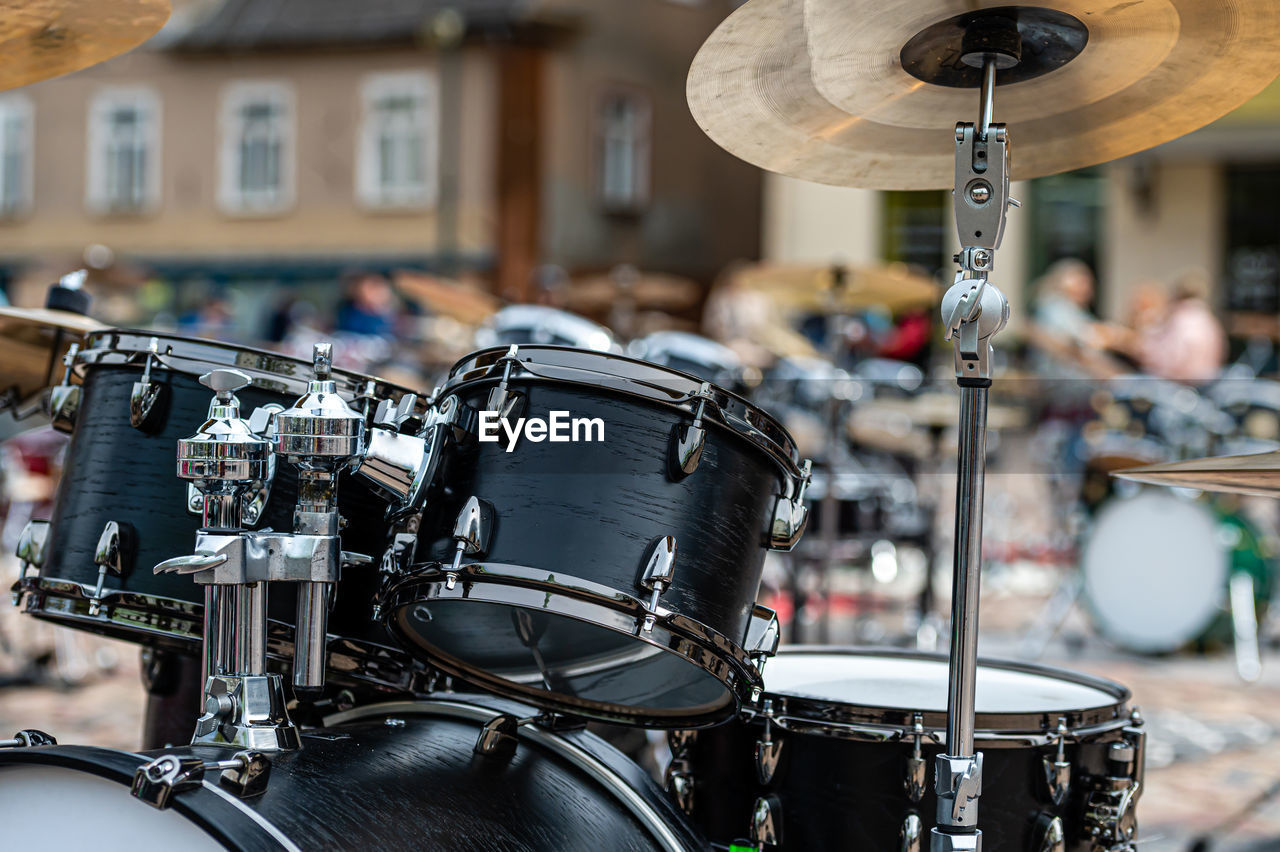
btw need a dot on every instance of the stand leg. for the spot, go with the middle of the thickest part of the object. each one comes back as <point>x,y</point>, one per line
<point>1244,623</point>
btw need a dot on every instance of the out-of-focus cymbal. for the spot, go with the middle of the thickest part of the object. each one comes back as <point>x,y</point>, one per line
<point>647,290</point>
<point>931,410</point>
<point>32,344</point>
<point>867,93</point>
<point>457,300</point>
<point>1257,474</point>
<point>813,288</point>
<point>40,39</point>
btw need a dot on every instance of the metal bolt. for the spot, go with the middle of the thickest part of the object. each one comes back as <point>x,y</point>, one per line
<point>980,192</point>
<point>981,258</point>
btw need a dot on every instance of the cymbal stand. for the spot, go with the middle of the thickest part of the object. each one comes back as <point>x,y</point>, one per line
<point>974,310</point>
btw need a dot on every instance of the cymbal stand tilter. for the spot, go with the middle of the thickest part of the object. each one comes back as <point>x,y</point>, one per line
<point>974,310</point>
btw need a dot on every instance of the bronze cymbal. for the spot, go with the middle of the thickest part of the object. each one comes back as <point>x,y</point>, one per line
<point>458,300</point>
<point>652,291</point>
<point>893,287</point>
<point>835,91</point>
<point>32,344</point>
<point>1257,474</point>
<point>40,39</point>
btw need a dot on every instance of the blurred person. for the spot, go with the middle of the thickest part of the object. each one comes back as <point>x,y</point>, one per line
<point>369,306</point>
<point>1070,340</point>
<point>213,319</point>
<point>1190,345</point>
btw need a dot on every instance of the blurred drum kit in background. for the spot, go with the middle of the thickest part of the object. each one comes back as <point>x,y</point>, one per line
<point>369,621</point>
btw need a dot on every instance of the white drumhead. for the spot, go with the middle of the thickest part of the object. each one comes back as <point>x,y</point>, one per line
<point>903,683</point>
<point>1154,571</point>
<point>52,809</point>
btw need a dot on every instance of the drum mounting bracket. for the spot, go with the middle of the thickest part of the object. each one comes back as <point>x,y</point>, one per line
<point>245,774</point>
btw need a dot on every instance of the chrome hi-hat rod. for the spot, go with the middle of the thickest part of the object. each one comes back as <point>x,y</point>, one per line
<point>973,311</point>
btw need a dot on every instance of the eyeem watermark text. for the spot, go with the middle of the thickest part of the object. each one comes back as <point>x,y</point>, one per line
<point>559,428</point>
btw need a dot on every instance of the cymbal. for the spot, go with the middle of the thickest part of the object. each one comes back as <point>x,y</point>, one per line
<point>812,288</point>
<point>457,300</point>
<point>936,410</point>
<point>836,91</point>
<point>40,39</point>
<point>1257,474</point>
<point>648,291</point>
<point>32,343</point>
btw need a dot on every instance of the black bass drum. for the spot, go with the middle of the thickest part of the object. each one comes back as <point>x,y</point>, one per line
<point>614,577</point>
<point>140,393</point>
<point>391,777</point>
<point>839,754</point>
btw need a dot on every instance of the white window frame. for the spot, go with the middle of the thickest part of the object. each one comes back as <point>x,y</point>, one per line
<point>369,189</point>
<point>101,105</point>
<point>19,104</point>
<point>235,97</point>
<point>643,165</point>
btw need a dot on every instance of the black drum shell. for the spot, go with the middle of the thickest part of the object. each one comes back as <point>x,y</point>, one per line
<point>409,779</point>
<point>837,792</point>
<point>594,509</point>
<point>115,472</point>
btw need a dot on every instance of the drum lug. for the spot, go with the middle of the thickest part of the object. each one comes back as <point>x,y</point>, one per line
<point>689,440</point>
<point>245,774</point>
<point>114,554</point>
<point>768,750</point>
<point>790,514</point>
<point>659,571</point>
<point>1049,835</point>
<point>915,780</point>
<point>30,552</point>
<point>498,738</point>
<point>64,399</point>
<point>145,394</point>
<point>28,738</point>
<point>912,834</point>
<point>679,782</point>
<point>471,531</point>
<point>766,821</point>
<point>763,635</point>
<point>1057,771</point>
<point>502,400</point>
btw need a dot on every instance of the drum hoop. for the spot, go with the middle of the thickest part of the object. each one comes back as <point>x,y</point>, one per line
<point>651,382</point>
<point>118,766</point>
<point>174,622</point>
<point>270,371</point>
<point>1016,728</point>
<point>554,741</point>
<point>686,638</point>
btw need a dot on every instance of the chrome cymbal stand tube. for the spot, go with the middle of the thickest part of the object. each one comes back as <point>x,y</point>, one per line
<point>973,310</point>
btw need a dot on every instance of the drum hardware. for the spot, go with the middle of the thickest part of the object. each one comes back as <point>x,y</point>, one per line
<point>912,834</point>
<point>501,400</point>
<point>1244,626</point>
<point>764,633</point>
<point>658,573</point>
<point>1057,771</point>
<point>64,399</point>
<point>915,780</point>
<point>28,738</point>
<point>499,737</point>
<point>768,750</point>
<point>1051,835</point>
<point>689,439</point>
<point>678,780</point>
<point>766,822</point>
<point>254,501</point>
<point>245,775</point>
<point>114,554</point>
<point>145,392</point>
<point>1110,809</point>
<point>790,513</point>
<point>31,553</point>
<point>471,532</point>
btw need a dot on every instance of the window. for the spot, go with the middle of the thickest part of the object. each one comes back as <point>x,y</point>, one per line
<point>622,121</point>
<point>257,148</point>
<point>124,151</point>
<point>399,141</point>
<point>16,168</point>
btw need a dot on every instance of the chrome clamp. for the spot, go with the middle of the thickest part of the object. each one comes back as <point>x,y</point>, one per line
<point>157,782</point>
<point>28,738</point>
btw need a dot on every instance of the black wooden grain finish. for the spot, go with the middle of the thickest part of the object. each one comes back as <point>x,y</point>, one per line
<point>414,784</point>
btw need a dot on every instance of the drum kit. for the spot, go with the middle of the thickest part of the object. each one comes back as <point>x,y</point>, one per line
<point>403,619</point>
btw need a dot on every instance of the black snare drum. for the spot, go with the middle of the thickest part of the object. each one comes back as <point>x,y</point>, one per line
<point>839,754</point>
<point>118,484</point>
<point>561,590</point>
<point>395,777</point>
